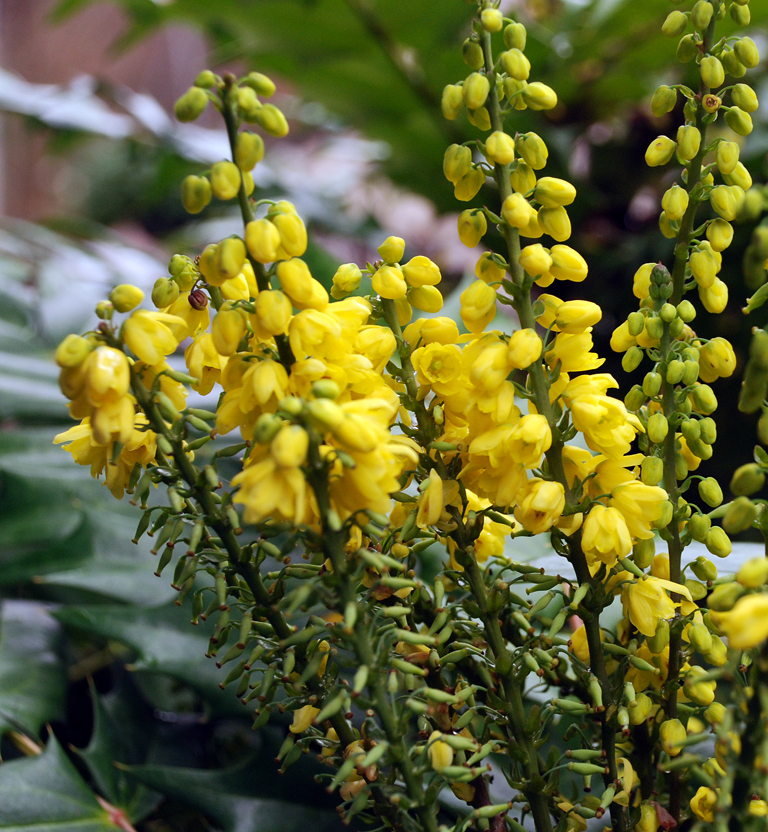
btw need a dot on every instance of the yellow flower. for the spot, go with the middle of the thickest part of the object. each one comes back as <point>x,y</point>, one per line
<point>641,505</point>
<point>148,335</point>
<point>567,264</point>
<point>746,625</point>
<point>377,344</point>
<point>440,366</point>
<point>192,319</point>
<point>302,719</point>
<point>289,446</point>
<point>573,352</point>
<point>528,440</point>
<point>716,360</point>
<point>605,423</point>
<point>318,334</point>
<point>578,643</point>
<point>541,506</point>
<point>267,490</point>
<point>703,804</point>
<point>425,331</point>
<point>440,753</point>
<point>576,316</point>
<point>646,602</point>
<point>107,377</point>
<point>204,362</point>
<point>273,313</point>
<point>430,501</point>
<point>605,537</point>
<point>491,368</point>
<point>295,280</point>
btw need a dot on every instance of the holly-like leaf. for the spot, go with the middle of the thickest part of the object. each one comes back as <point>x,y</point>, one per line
<point>119,735</point>
<point>240,799</point>
<point>32,676</point>
<point>46,794</point>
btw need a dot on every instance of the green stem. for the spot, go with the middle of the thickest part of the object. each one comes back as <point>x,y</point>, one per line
<point>539,388</point>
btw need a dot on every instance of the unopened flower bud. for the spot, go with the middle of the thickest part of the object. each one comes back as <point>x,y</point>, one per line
<point>261,84</point>
<point>715,713</point>
<point>392,249</point>
<point>472,54</point>
<point>126,297</point>
<point>663,101</point>
<point>747,480</point>
<point>739,121</point>
<point>263,240</point>
<point>72,351</point>
<point>747,53</point>
<point>533,150</point>
<point>754,573</point>
<point>225,180</point>
<point>492,20</point>
<point>718,543</point>
<point>346,280</point>
<point>272,121</point>
<point>674,24</point>
<point>515,64</point>
<point>659,151</point>
<point>452,101</point>
<point>472,226</point>
<point>227,330</point>
<point>740,515</point>
<point>743,96</point>
<point>476,89</point>
<point>672,732</point>
<point>710,492</point>
<point>539,96</point>
<point>191,105</point>
<point>324,413</point>
<point>500,148</point>
<point>688,141</point>
<point>249,150</point>
<point>711,71</point>
<point>205,79</point>
<point>104,310</point>
<point>230,255</point>
<point>686,49</point>
<point>195,193</point>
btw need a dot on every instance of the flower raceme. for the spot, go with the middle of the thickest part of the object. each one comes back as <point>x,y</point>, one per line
<point>365,433</point>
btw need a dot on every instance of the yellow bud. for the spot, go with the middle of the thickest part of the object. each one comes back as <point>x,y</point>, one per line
<point>663,101</point>
<point>688,141</point>
<point>575,316</point>
<point>744,98</point>
<point>426,298</point>
<point>295,279</point>
<point>478,306</point>
<point>476,89</point>
<point>302,719</point>
<point>500,148</point>
<point>271,120</point>
<point>517,211</point>
<point>472,53</point>
<point>388,282</point>
<point>249,150</point>
<point>674,24</point>
<point>492,20</point>
<point>555,222</point>
<point>754,573</point>
<point>261,84</point>
<point>515,36</point>
<point>195,193</point>
<point>524,348</point>
<point>273,312</point>
<point>515,64</point>
<point>535,260</point>
<point>640,709</point>
<point>740,177</point>
<point>230,258</point>
<point>263,240</point>
<point>712,72</point>
<point>513,91</point>
<point>551,192</point>
<point>719,234</point>
<point>672,734</point>
<point>421,271</point>
<point>533,150</point>
<point>488,270</point>
<point>674,202</point>
<point>72,351</point>
<point>191,104</point>
<point>567,264</point>
<point>126,297</point>
<point>457,162</point>
<point>452,101</point>
<point>539,96</point>
<point>225,180</point>
<point>726,201</point>
<point>293,234</point>
<point>346,280</point>
<point>392,249</point>
<point>701,14</point>
<point>468,186</point>
<point>472,227</point>
<point>227,331</point>
<point>659,151</point>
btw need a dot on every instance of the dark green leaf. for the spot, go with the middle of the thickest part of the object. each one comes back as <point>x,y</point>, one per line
<point>32,676</point>
<point>46,794</point>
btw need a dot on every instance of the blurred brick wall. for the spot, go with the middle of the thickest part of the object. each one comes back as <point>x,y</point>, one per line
<point>45,53</point>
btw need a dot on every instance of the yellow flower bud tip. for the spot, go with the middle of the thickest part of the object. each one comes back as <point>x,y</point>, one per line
<point>225,180</point>
<point>472,226</point>
<point>539,96</point>
<point>392,249</point>
<point>660,151</point>
<point>500,148</point>
<point>492,20</point>
<point>261,84</point>
<point>72,351</point>
<point>195,193</point>
<point>452,101</point>
<point>421,271</point>
<point>272,120</point>
<point>551,192</point>
<point>388,282</point>
<point>535,259</point>
<point>249,150</point>
<point>476,89</point>
<point>126,297</point>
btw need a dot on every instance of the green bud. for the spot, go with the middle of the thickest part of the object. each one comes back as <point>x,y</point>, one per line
<point>690,372</point>
<point>660,639</point>
<point>686,310</point>
<point>743,96</point>
<point>272,120</point>
<point>732,64</point>
<point>164,292</point>
<point>711,71</point>
<point>652,470</point>
<point>652,384</point>
<point>674,24</point>
<point>643,552</point>
<point>723,597</point>
<point>657,428</point>
<point>472,54</point>
<point>704,399</point>
<point>667,511</point>
<point>205,79</point>
<point>635,398</point>
<point>249,150</point>
<point>701,14</point>
<point>747,53</point>
<point>663,101</point>
<point>708,430</point>
<point>740,515</point>
<point>710,492</point>
<point>635,323</point>
<point>675,370</point>
<point>687,49</point>
<point>668,313</point>
<point>195,193</point>
<point>698,526</point>
<point>191,105</point>
<point>654,327</point>
<point>740,15</point>
<point>260,84</point>
<point>266,428</point>
<point>739,121</point>
<point>718,542</point>
<point>747,480</point>
<point>631,359</point>
<point>515,36</point>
